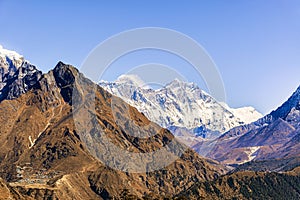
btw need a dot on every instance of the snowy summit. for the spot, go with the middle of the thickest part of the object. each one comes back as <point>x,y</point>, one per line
<point>180,104</point>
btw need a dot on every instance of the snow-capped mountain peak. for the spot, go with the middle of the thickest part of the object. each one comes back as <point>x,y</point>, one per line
<point>181,104</point>
<point>10,61</point>
<point>177,83</point>
<point>131,79</point>
<point>9,53</point>
<point>17,75</point>
<point>13,56</point>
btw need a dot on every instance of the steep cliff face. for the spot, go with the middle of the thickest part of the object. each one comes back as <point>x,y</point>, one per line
<point>47,151</point>
<point>10,61</point>
<point>17,75</point>
<point>20,82</point>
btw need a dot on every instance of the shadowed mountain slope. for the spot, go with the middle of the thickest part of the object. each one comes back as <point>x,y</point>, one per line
<point>273,138</point>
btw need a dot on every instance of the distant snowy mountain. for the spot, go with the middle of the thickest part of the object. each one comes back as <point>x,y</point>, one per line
<point>16,74</point>
<point>274,136</point>
<point>10,61</point>
<point>181,105</point>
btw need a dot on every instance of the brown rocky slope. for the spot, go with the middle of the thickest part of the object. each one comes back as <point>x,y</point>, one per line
<point>46,154</point>
<point>269,144</point>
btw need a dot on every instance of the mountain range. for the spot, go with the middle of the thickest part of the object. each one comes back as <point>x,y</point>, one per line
<point>47,154</point>
<point>274,136</point>
<point>181,107</point>
<point>56,127</point>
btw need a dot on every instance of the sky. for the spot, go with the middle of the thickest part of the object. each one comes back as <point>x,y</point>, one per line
<point>254,44</point>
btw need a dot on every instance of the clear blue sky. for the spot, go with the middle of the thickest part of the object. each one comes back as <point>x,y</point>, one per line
<point>255,44</point>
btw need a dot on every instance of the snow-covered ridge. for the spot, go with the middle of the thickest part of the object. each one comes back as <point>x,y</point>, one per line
<point>180,104</point>
<point>247,114</point>
<point>10,54</point>
<point>17,75</point>
<point>10,61</point>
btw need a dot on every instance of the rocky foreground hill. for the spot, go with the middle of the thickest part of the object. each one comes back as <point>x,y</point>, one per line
<point>53,128</point>
<point>43,156</point>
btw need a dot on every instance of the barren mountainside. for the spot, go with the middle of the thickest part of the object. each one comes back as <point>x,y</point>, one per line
<point>44,155</point>
<point>273,138</point>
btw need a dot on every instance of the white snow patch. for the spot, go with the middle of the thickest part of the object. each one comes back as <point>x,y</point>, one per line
<point>246,114</point>
<point>31,142</point>
<point>132,79</point>
<point>10,54</point>
<point>250,151</point>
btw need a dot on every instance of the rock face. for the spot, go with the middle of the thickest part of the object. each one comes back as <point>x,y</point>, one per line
<point>180,105</point>
<point>10,61</point>
<point>46,154</point>
<point>275,136</point>
<point>17,75</point>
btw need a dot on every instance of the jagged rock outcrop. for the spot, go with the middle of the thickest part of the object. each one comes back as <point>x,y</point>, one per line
<point>17,75</point>
<point>21,81</point>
